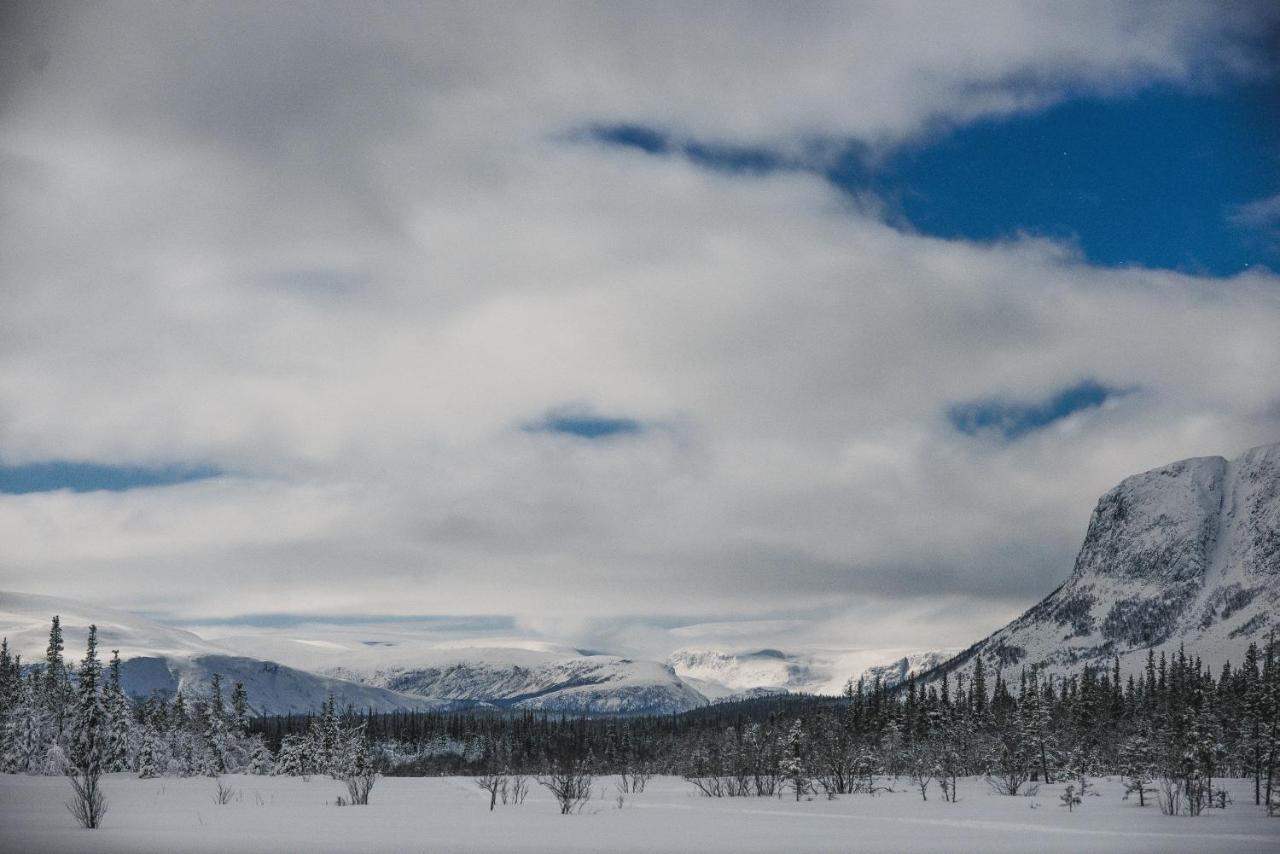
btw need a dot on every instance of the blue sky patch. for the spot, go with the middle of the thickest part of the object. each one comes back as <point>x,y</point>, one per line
<point>1151,179</point>
<point>646,139</point>
<point>722,158</point>
<point>92,477</point>
<point>1012,419</point>
<point>584,425</point>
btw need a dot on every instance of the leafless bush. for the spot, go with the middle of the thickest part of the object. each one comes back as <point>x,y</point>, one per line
<point>1169,795</point>
<point>868,786</point>
<point>223,794</point>
<point>87,803</point>
<point>1195,792</point>
<point>495,785</point>
<point>571,788</point>
<point>711,787</point>
<point>516,789</point>
<point>921,777</point>
<point>633,780</point>
<point>1010,782</point>
<point>727,785</point>
<point>359,786</point>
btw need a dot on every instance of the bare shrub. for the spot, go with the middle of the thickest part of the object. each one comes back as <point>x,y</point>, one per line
<point>223,794</point>
<point>633,780</point>
<point>359,785</point>
<point>711,787</point>
<point>516,790</point>
<point>88,804</point>
<point>923,768</point>
<point>921,777</point>
<point>1169,795</point>
<point>1010,781</point>
<point>495,785</point>
<point>571,788</point>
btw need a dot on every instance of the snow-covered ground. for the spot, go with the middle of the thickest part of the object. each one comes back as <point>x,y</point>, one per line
<point>450,814</point>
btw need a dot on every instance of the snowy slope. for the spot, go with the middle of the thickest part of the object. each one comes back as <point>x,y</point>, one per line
<point>507,672</point>
<point>161,658</point>
<point>724,675</point>
<point>738,672</point>
<point>911,664</point>
<point>557,680</point>
<point>1185,554</point>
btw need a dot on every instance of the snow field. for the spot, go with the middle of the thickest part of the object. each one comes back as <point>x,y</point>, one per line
<point>407,814</point>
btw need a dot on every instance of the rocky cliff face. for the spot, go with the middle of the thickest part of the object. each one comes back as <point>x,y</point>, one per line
<point>897,672</point>
<point>1187,553</point>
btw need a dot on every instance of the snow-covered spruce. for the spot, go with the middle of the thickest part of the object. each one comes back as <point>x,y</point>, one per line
<point>52,723</point>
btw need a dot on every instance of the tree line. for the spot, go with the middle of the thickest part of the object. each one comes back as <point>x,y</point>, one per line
<point>1171,731</point>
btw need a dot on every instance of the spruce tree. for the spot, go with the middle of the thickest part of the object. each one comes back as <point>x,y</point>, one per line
<point>1270,714</point>
<point>240,709</point>
<point>119,718</point>
<point>1034,717</point>
<point>9,679</point>
<point>152,753</point>
<point>794,767</point>
<point>88,739</point>
<point>1136,762</point>
<point>56,683</point>
<point>26,740</point>
<point>215,732</point>
<point>979,692</point>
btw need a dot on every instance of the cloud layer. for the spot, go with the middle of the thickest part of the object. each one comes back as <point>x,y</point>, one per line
<point>349,257</point>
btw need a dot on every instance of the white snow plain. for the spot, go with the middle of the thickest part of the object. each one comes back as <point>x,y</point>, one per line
<point>269,814</point>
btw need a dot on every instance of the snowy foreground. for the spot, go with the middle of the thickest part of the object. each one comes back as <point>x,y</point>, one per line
<point>450,814</point>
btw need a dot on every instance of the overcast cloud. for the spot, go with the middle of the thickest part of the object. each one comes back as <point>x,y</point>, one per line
<point>358,258</point>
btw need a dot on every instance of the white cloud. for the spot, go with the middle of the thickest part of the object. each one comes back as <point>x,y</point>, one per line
<point>1260,214</point>
<point>176,180</point>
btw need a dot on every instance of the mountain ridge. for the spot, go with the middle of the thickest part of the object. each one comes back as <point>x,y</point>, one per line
<point>1183,554</point>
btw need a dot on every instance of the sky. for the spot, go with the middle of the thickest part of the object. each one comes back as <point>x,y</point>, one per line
<point>629,326</point>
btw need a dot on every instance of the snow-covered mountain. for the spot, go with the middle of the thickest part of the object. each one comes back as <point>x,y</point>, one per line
<point>389,669</point>
<point>156,657</point>
<point>379,674</point>
<point>1185,554</point>
<point>567,681</point>
<point>723,675</point>
<point>912,664</point>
